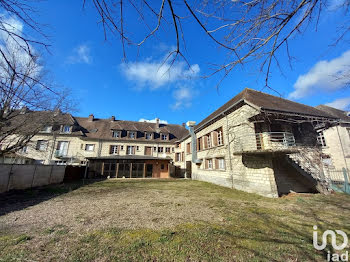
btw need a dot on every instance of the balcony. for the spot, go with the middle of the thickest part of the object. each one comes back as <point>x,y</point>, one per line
<point>266,142</point>
<point>61,154</point>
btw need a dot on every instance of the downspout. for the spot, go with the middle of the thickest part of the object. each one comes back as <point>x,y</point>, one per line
<point>229,150</point>
<point>191,125</point>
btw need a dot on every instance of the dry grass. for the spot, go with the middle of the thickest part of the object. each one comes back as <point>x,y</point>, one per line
<point>163,220</point>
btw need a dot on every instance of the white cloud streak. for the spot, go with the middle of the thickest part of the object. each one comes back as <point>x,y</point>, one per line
<point>81,55</point>
<point>183,97</point>
<point>341,103</point>
<point>153,120</point>
<point>325,75</point>
<point>157,74</point>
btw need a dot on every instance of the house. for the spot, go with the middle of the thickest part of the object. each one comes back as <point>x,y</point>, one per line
<point>113,148</point>
<point>257,143</point>
<point>335,139</point>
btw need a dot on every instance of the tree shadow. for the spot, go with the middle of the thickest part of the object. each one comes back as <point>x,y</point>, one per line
<point>16,200</point>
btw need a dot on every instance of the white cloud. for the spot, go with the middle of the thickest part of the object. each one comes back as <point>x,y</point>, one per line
<point>153,121</point>
<point>341,103</point>
<point>183,97</point>
<point>81,55</point>
<point>16,50</point>
<point>158,74</point>
<point>323,76</point>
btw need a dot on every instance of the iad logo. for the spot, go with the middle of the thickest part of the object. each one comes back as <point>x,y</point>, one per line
<point>331,233</point>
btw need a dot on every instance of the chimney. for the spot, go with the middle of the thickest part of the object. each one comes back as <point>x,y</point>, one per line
<point>112,118</point>
<point>23,110</point>
<point>183,124</point>
<point>91,118</point>
<point>157,122</point>
<point>57,112</point>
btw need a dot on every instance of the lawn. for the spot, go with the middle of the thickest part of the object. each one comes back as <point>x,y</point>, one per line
<point>163,220</point>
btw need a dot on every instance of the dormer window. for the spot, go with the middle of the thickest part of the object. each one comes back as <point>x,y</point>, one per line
<point>67,129</point>
<point>47,129</point>
<point>116,134</point>
<point>164,137</point>
<point>132,134</point>
<point>148,135</point>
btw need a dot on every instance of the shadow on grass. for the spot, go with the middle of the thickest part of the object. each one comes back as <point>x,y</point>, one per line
<point>15,200</point>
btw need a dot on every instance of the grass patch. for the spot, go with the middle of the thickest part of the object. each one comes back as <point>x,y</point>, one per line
<point>167,220</point>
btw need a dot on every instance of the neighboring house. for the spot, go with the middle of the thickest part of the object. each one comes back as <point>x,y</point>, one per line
<point>335,139</point>
<point>257,143</point>
<point>113,147</point>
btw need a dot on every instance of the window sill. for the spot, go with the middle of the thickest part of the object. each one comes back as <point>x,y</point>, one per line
<point>215,147</point>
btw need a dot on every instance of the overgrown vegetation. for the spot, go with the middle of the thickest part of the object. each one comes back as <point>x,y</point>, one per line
<point>164,220</point>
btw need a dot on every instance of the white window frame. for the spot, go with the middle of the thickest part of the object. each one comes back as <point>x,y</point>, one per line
<point>66,131</point>
<point>88,146</point>
<point>121,148</point>
<point>42,145</point>
<point>221,164</point>
<point>137,148</point>
<point>209,142</point>
<point>160,149</point>
<point>210,163</point>
<point>114,150</point>
<point>220,140</point>
<point>128,152</point>
<point>47,129</point>
<point>116,134</point>
<point>321,139</point>
<point>148,136</point>
<point>164,137</point>
<point>134,134</point>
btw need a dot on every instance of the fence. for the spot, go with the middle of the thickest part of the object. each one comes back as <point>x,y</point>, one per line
<point>28,176</point>
<point>340,180</point>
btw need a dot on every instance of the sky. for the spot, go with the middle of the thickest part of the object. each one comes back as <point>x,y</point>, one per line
<point>103,84</point>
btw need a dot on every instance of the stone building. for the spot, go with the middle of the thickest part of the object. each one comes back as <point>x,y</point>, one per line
<point>335,139</point>
<point>257,143</point>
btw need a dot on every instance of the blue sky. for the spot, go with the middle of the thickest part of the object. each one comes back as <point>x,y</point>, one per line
<point>82,60</point>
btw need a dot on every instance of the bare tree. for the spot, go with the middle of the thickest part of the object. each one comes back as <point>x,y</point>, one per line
<point>28,98</point>
<point>249,30</point>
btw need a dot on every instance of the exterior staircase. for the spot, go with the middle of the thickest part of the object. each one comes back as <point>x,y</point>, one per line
<point>308,162</point>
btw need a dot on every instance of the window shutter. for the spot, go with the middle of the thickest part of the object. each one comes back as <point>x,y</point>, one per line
<point>216,163</point>
<point>215,138</point>
<point>205,142</point>
<point>206,164</point>
<point>110,150</point>
<point>133,150</point>
<point>82,146</point>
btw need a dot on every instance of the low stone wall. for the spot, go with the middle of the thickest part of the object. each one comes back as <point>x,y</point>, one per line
<point>27,176</point>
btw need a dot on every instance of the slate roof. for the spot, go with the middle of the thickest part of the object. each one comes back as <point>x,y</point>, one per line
<point>266,102</point>
<point>334,112</point>
<point>103,129</point>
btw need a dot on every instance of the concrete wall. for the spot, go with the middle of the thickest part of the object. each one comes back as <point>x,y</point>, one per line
<point>27,176</point>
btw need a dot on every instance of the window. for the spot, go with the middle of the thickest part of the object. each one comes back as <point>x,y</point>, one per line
<point>89,147</point>
<point>220,136</point>
<point>167,150</point>
<point>23,150</point>
<point>47,129</point>
<point>121,148</point>
<point>177,157</point>
<point>130,150</point>
<point>162,166</point>
<point>132,134</point>
<point>164,136</point>
<point>221,163</point>
<point>199,144</point>
<point>116,134</point>
<point>83,163</point>
<point>137,148</point>
<point>61,163</point>
<point>114,150</point>
<point>155,149</point>
<point>62,148</point>
<point>66,129</point>
<point>209,144</point>
<point>148,135</point>
<point>210,163</point>
<point>173,149</point>
<point>188,148</point>
<point>321,140</point>
<point>41,145</point>
<point>160,149</point>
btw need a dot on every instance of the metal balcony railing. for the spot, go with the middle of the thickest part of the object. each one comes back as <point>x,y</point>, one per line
<point>266,141</point>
